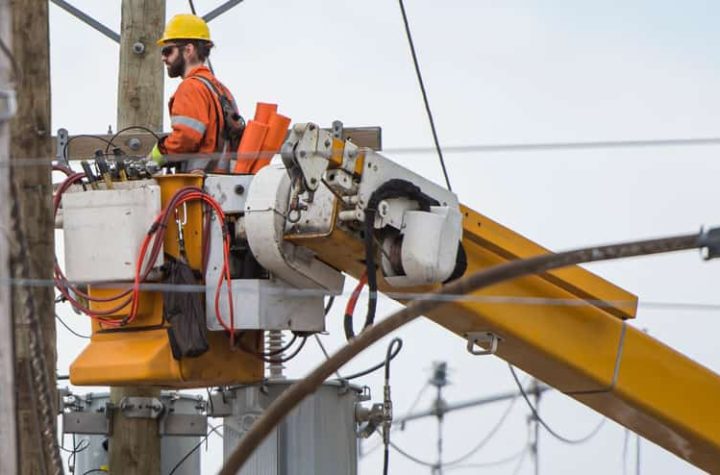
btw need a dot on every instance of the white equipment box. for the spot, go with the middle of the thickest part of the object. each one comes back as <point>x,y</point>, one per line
<point>104,230</point>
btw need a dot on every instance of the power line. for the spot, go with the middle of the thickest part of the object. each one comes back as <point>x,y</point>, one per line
<point>453,149</point>
<point>213,429</point>
<point>68,328</point>
<point>535,413</point>
<point>491,433</point>
<point>494,463</point>
<point>424,94</point>
<point>483,299</point>
<point>548,146</point>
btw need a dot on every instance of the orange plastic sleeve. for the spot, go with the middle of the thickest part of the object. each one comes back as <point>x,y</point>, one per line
<point>278,127</point>
<point>263,112</point>
<point>250,146</point>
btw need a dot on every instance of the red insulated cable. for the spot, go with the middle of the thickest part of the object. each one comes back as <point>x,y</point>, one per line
<point>155,235</point>
<point>352,301</point>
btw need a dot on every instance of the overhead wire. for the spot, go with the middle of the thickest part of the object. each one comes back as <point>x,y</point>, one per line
<point>475,449</point>
<point>325,352</point>
<point>68,328</point>
<point>213,429</point>
<point>626,439</point>
<point>192,9</point>
<point>391,356</point>
<point>536,415</point>
<point>521,459</point>
<point>424,94</point>
<point>563,146</point>
<point>473,282</point>
<point>492,463</point>
<point>451,149</point>
<point>483,442</point>
<point>429,296</point>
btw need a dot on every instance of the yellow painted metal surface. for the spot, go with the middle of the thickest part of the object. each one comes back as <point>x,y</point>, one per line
<point>569,329</point>
<point>144,358</point>
<point>139,354</point>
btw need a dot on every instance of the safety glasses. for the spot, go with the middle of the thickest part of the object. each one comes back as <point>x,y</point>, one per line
<point>168,49</point>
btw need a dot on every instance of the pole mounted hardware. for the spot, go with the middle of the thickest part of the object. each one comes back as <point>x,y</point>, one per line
<point>477,338</point>
<point>141,407</point>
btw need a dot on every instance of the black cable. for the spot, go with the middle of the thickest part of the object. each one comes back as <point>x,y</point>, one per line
<point>371,269</point>
<point>67,144</point>
<point>265,356</point>
<point>282,349</point>
<point>491,433</point>
<point>396,342</point>
<point>132,127</point>
<point>387,401</point>
<point>424,94</point>
<point>197,446</point>
<point>394,188</point>
<point>76,450</point>
<point>329,304</point>
<point>289,357</point>
<point>62,322</point>
<point>96,470</point>
<point>535,413</point>
<point>377,366</point>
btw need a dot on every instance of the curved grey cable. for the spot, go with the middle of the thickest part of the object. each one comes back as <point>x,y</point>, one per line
<point>297,392</point>
<point>559,437</point>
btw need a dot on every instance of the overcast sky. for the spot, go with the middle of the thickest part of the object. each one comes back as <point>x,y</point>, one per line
<point>496,72</point>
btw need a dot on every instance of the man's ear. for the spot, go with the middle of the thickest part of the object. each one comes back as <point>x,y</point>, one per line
<point>190,49</point>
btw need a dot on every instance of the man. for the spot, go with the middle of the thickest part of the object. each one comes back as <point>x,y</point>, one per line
<point>198,138</point>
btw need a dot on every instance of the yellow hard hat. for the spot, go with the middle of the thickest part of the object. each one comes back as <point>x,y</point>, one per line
<point>185,27</point>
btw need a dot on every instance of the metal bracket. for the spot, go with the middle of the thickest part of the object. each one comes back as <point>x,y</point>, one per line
<point>8,105</point>
<point>141,407</point>
<point>60,146</point>
<point>183,424</point>
<point>219,404</point>
<point>475,338</point>
<point>86,423</point>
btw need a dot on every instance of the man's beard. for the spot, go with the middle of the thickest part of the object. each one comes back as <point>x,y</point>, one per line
<point>177,67</point>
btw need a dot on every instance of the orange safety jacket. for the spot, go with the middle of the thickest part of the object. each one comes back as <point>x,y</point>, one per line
<point>197,121</point>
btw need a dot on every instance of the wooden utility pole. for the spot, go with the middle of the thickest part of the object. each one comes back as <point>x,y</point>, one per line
<point>30,172</point>
<point>8,422</point>
<point>135,443</point>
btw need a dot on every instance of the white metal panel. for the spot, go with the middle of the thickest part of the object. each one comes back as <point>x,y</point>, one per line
<point>265,217</point>
<point>262,304</point>
<point>104,230</point>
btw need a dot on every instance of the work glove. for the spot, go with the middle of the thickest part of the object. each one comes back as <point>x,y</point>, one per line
<point>156,156</point>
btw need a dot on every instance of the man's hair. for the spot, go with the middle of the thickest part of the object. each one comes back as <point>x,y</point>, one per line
<point>201,47</point>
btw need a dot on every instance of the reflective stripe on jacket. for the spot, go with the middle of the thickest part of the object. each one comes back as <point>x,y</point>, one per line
<point>196,119</point>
